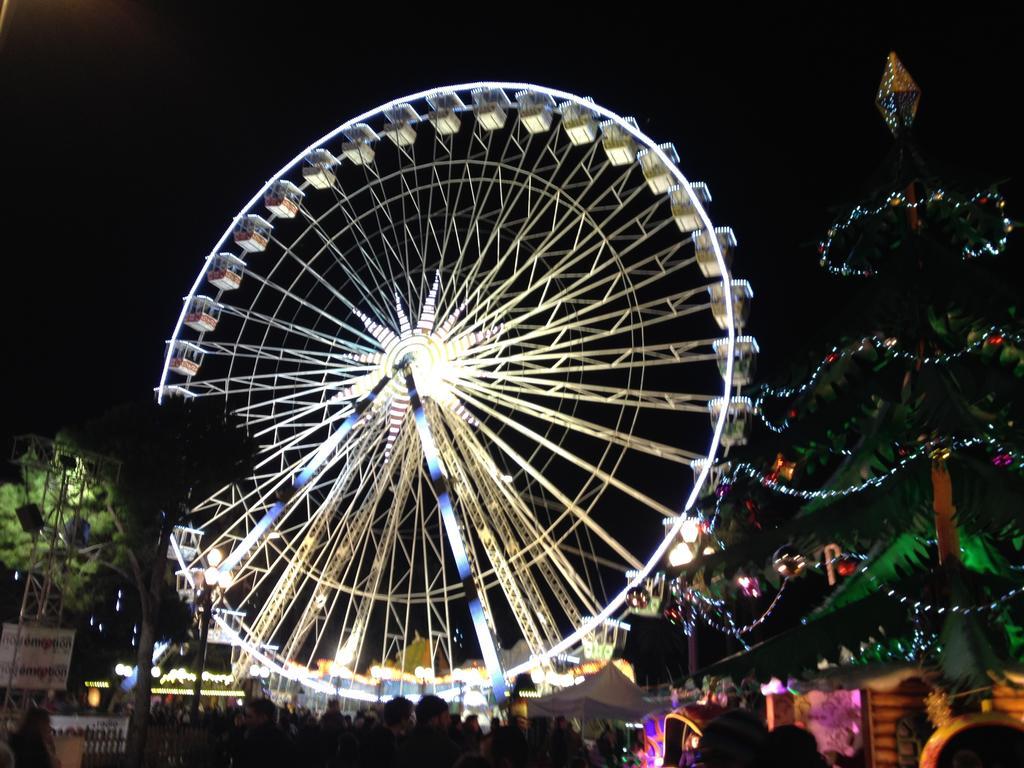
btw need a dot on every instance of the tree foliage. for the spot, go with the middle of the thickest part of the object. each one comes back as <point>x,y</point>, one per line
<point>926,376</point>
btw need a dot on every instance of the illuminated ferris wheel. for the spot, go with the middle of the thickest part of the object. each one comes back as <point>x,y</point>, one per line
<point>479,333</point>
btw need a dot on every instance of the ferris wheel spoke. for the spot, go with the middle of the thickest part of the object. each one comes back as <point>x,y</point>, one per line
<point>573,458</point>
<point>411,206</point>
<point>350,645</point>
<point>518,587</point>
<point>301,564</point>
<point>539,543</point>
<point>345,495</point>
<point>519,530</point>
<point>314,464</point>
<point>500,385</point>
<point>480,193</point>
<point>536,358</point>
<point>585,284</point>
<point>496,393</point>
<point>570,224</point>
<point>390,248</point>
<point>326,359</point>
<point>480,196</point>
<point>398,226</point>
<point>306,267</point>
<point>368,298</point>
<point>570,506</point>
<point>500,301</point>
<point>356,230</point>
<point>249,503</point>
<point>507,208</point>
<point>589,332</point>
<point>365,343</point>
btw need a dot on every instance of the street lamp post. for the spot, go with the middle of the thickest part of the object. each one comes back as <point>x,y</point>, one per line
<point>209,588</point>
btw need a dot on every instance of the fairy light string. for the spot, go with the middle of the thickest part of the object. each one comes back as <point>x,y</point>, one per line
<point>899,200</point>
<point>719,605</point>
<point>993,337</point>
<point>921,451</point>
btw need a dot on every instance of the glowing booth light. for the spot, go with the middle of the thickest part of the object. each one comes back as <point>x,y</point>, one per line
<point>680,555</point>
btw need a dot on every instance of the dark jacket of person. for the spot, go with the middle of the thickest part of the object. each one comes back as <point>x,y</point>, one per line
<point>426,747</point>
<point>265,746</point>
<point>29,751</point>
<point>378,749</point>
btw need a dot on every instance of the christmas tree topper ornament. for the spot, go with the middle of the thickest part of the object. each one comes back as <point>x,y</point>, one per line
<point>898,96</point>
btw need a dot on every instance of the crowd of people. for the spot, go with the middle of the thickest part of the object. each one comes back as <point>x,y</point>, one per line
<point>424,735</point>
<point>427,735</point>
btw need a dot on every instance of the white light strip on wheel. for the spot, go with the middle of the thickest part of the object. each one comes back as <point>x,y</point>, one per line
<point>302,478</point>
<point>651,146</point>
<point>291,674</point>
<point>439,481</point>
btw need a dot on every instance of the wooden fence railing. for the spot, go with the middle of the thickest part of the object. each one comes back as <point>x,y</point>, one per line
<point>167,746</point>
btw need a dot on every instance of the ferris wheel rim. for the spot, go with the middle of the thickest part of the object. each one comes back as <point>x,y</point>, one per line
<point>650,145</point>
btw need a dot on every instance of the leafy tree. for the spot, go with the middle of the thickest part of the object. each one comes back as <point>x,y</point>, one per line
<point>171,456</point>
<point>44,490</point>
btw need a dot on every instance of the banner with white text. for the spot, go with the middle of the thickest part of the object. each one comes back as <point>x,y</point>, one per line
<point>40,657</point>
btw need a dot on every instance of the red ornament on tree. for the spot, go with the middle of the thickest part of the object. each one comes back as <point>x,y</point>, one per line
<point>832,357</point>
<point>792,413</point>
<point>995,340</point>
<point>752,513</point>
<point>846,566</point>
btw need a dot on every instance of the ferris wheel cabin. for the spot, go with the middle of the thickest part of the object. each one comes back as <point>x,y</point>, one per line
<point>359,147</point>
<point>203,314</point>
<point>536,111</point>
<point>490,105</point>
<point>742,295</point>
<point>186,358</point>
<point>399,127</point>
<point>744,358</point>
<point>738,419</point>
<point>659,176</point>
<point>579,124</point>
<point>618,144</point>
<point>252,233</point>
<point>225,271</point>
<point>283,199</point>
<point>319,169</point>
<point>705,252</point>
<point>444,109</point>
<point>715,476</point>
<point>683,209</point>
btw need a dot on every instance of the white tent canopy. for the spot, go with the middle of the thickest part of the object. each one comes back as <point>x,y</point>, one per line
<point>607,695</point>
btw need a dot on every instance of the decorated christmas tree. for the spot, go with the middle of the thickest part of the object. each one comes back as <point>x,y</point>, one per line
<point>876,514</point>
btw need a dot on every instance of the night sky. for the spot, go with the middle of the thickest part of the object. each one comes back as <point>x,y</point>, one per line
<point>133,131</point>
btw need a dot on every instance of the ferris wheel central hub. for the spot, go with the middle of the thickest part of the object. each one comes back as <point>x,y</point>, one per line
<point>433,352</point>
